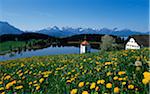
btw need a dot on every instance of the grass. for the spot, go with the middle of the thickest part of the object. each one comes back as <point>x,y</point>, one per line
<point>7,46</point>
<point>94,73</point>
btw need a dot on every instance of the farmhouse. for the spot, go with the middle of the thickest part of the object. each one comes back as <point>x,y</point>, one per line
<point>84,47</point>
<point>137,42</point>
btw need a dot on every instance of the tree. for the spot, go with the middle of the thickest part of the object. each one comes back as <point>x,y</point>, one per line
<point>108,43</point>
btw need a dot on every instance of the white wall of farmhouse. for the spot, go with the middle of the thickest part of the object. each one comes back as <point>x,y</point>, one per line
<point>132,44</point>
<point>84,49</point>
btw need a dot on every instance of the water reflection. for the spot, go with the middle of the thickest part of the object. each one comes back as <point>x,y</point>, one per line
<point>41,52</point>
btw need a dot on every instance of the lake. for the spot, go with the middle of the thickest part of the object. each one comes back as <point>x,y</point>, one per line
<point>43,52</point>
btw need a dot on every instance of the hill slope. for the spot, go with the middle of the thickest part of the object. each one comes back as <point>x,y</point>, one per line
<point>6,28</point>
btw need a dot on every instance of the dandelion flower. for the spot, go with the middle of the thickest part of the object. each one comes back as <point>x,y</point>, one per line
<point>37,87</point>
<point>73,91</point>
<point>85,92</point>
<point>18,87</point>
<point>93,85</point>
<point>115,78</point>
<point>120,79</point>
<point>101,81</point>
<point>7,77</point>
<point>130,86</point>
<point>121,72</point>
<point>97,88</point>
<point>108,85</point>
<point>1,82</point>
<point>3,93</point>
<point>41,80</point>
<point>30,83</point>
<point>123,83</point>
<point>145,81</point>
<point>116,90</point>
<point>81,84</point>
<point>1,88</point>
<point>87,83</point>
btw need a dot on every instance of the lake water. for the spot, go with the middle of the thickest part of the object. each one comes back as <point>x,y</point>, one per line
<point>44,51</point>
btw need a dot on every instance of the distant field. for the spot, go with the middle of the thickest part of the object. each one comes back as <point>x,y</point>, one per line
<point>9,46</point>
<point>93,73</point>
<point>6,46</point>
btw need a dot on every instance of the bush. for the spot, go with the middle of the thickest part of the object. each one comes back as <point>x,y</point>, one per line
<point>109,43</point>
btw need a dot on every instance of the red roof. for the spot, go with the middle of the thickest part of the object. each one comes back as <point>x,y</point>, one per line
<point>84,43</point>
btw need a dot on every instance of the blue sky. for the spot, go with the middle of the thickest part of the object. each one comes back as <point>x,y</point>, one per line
<point>38,14</point>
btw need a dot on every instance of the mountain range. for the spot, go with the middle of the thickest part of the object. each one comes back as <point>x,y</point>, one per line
<point>6,28</point>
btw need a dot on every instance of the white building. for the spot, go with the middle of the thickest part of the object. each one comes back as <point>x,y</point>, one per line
<point>85,47</point>
<point>137,42</point>
<point>132,44</point>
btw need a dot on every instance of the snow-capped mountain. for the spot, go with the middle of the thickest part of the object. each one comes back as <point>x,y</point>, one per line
<point>68,31</point>
<point>126,32</point>
<point>59,32</point>
<point>6,28</point>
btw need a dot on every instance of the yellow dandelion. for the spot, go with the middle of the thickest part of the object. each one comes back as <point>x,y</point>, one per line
<point>41,80</point>
<point>20,74</point>
<point>85,92</point>
<point>72,79</point>
<point>108,85</point>
<point>7,77</point>
<point>1,82</point>
<point>30,72</point>
<point>115,78</point>
<point>136,89</point>
<point>121,72</point>
<point>14,82</point>
<point>87,83</point>
<point>69,73</point>
<point>19,87</point>
<point>22,65</point>
<point>81,84</point>
<point>109,73</point>
<point>37,87</point>
<point>3,93</point>
<point>73,91</point>
<point>116,90</point>
<point>130,86</point>
<point>146,74</point>
<point>120,79</point>
<point>26,71</point>
<point>68,81</point>
<point>124,78</point>
<point>30,83</point>
<point>145,81</point>
<point>35,81</point>
<point>46,75</point>
<point>23,77</point>
<point>101,81</point>
<point>1,88</point>
<point>93,85</point>
<point>8,85</point>
<point>97,88</point>
<point>123,83</point>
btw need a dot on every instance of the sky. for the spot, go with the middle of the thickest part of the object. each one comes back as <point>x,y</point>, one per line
<point>39,14</point>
